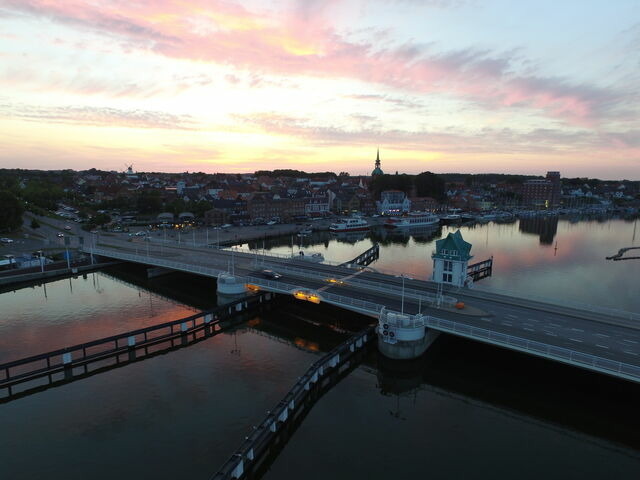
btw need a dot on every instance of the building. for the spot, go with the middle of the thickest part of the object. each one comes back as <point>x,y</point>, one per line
<point>543,192</point>
<point>393,202</point>
<point>317,206</point>
<point>265,206</point>
<point>537,193</point>
<point>377,170</point>
<point>451,259</point>
<point>424,204</point>
<point>556,187</point>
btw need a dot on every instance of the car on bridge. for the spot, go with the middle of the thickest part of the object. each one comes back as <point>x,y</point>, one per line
<point>271,274</point>
<point>6,240</point>
<point>60,234</point>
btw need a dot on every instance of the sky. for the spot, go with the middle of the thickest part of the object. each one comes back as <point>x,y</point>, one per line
<point>237,86</point>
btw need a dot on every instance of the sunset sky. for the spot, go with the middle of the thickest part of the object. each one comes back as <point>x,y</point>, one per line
<point>236,86</point>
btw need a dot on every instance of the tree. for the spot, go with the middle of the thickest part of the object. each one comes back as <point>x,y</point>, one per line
<point>11,212</point>
<point>430,185</point>
<point>34,223</point>
<point>149,202</point>
<point>101,219</point>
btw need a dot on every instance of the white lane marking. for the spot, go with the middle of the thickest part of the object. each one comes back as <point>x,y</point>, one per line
<point>629,341</point>
<point>555,325</point>
<point>577,330</point>
<point>601,346</point>
<point>511,316</point>
<point>602,335</point>
<point>551,333</point>
<point>575,340</point>
<point>530,329</point>
<point>533,320</point>
<point>508,324</point>
<point>631,353</point>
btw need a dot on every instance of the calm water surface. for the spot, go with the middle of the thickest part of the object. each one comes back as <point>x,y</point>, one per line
<point>547,257</point>
<point>463,411</point>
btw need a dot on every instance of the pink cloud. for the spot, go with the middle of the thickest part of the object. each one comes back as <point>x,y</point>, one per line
<point>302,42</point>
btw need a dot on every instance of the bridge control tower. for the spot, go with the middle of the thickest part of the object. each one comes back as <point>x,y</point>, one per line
<point>451,261</point>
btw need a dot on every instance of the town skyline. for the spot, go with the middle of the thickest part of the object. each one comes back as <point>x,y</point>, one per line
<point>235,87</point>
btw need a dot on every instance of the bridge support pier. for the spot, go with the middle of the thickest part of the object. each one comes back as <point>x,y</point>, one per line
<point>403,336</point>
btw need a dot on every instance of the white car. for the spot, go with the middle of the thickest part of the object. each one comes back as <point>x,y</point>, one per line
<point>6,240</point>
<point>226,225</point>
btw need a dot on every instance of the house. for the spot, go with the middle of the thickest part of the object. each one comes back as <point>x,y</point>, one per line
<point>393,202</point>
<point>451,259</point>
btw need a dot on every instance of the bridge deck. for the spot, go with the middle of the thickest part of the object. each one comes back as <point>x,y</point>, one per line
<point>600,333</point>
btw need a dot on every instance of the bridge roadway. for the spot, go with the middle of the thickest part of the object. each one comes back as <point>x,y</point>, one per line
<point>610,335</point>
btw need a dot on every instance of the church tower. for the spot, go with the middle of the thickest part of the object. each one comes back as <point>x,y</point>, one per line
<point>377,170</point>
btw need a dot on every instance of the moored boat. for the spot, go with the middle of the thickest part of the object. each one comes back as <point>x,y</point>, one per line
<point>349,225</point>
<point>413,219</point>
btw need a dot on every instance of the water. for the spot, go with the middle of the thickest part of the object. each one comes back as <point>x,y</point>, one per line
<point>547,257</point>
<point>463,411</point>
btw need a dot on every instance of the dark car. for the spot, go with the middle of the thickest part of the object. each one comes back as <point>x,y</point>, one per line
<point>271,274</point>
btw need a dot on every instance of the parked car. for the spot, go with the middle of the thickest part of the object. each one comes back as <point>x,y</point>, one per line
<point>6,240</point>
<point>60,234</point>
<point>271,274</point>
<point>67,227</point>
<point>226,225</point>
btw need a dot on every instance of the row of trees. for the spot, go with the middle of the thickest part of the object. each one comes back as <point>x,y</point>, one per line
<point>10,212</point>
<point>425,184</point>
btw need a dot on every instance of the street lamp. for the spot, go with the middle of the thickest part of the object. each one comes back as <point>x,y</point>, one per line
<point>402,303</point>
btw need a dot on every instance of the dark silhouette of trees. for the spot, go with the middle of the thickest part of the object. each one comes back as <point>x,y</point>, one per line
<point>11,212</point>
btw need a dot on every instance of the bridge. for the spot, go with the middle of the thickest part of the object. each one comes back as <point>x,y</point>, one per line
<point>597,339</point>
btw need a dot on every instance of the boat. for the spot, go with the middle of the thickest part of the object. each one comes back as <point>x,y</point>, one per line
<point>309,257</point>
<point>305,231</point>
<point>349,225</point>
<point>413,219</point>
<point>467,217</point>
<point>450,218</point>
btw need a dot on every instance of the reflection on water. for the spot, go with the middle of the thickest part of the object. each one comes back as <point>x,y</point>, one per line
<point>545,227</point>
<point>547,257</point>
<point>464,410</point>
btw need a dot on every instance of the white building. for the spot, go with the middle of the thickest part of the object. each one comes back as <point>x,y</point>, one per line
<point>451,259</point>
<point>393,202</point>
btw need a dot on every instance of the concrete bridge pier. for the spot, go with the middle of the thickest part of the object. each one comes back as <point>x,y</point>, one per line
<point>230,288</point>
<point>403,336</point>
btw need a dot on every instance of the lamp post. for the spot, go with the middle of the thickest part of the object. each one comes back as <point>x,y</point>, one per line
<point>402,303</point>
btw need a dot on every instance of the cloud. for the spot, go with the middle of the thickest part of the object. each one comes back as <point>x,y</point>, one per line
<point>97,116</point>
<point>540,141</point>
<point>303,42</point>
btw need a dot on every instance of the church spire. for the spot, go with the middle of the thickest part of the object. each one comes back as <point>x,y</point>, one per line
<point>377,170</point>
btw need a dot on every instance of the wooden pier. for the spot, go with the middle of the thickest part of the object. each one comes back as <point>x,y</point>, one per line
<point>265,441</point>
<point>480,270</point>
<point>365,258</point>
<point>38,372</point>
<point>621,252</point>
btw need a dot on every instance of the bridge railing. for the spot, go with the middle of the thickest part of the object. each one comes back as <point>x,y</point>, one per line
<point>363,306</point>
<point>565,355</point>
<point>157,262</point>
